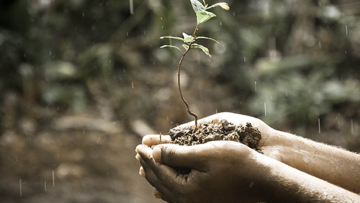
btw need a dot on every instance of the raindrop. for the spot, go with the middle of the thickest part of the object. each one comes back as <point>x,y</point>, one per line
<point>251,184</point>
<point>319,125</point>
<point>352,127</point>
<point>320,44</point>
<point>234,13</point>
<point>160,18</point>
<point>109,61</point>
<point>346,29</point>
<point>144,33</point>
<point>216,111</point>
<point>265,108</point>
<point>220,23</point>
<point>131,7</point>
<point>132,85</point>
<point>20,187</point>
<point>255,87</point>
<point>45,185</point>
<point>53,178</point>
<point>127,34</point>
<point>244,59</point>
<point>83,14</point>
<point>50,53</point>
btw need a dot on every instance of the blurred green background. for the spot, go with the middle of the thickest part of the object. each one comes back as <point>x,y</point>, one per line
<point>82,81</point>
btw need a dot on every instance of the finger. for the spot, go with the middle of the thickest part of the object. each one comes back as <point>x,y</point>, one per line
<point>158,195</point>
<point>164,181</point>
<point>192,157</point>
<point>151,140</point>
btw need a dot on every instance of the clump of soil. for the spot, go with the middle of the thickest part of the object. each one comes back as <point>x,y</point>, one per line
<point>216,130</point>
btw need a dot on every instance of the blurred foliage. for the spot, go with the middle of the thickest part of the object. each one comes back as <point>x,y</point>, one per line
<point>296,58</point>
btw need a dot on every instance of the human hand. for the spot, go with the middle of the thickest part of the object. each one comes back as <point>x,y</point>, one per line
<point>219,171</point>
<point>266,144</point>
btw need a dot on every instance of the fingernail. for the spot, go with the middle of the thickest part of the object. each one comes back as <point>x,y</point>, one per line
<point>156,154</point>
<point>157,196</point>
<point>142,172</point>
<point>139,146</point>
<point>137,157</point>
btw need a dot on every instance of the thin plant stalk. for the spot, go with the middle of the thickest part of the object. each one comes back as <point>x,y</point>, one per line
<point>179,70</point>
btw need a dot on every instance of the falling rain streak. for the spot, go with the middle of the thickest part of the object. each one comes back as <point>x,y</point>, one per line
<point>131,6</point>
<point>45,185</point>
<point>53,178</point>
<point>255,86</point>
<point>319,125</point>
<point>346,29</point>
<point>352,127</point>
<point>20,187</point>
<point>265,108</point>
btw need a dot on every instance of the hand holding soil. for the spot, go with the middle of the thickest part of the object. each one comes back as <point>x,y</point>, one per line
<point>219,171</point>
<point>231,119</point>
<point>227,171</point>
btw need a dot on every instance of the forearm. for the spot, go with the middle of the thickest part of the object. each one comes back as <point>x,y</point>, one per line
<point>282,183</point>
<point>329,163</point>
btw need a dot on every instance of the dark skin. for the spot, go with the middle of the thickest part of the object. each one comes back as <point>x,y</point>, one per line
<point>190,187</point>
<point>224,171</point>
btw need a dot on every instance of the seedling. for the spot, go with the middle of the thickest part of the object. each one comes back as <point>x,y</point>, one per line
<point>189,41</point>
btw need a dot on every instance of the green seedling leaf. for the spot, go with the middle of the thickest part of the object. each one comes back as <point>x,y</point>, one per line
<point>171,46</point>
<point>201,37</point>
<point>197,6</point>
<point>171,37</point>
<point>188,38</point>
<point>204,49</point>
<point>223,5</point>
<point>203,16</point>
<point>186,47</point>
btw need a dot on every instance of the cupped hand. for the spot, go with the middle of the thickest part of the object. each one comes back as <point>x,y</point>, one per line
<point>218,171</point>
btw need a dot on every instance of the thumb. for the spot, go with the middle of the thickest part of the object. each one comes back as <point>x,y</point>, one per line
<point>192,157</point>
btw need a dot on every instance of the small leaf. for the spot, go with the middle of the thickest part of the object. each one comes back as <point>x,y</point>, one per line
<point>223,5</point>
<point>171,46</point>
<point>171,37</point>
<point>203,16</point>
<point>197,6</point>
<point>201,37</point>
<point>204,49</point>
<point>188,38</point>
<point>186,47</point>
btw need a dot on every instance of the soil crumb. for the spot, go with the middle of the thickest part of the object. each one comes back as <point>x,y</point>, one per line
<point>217,130</point>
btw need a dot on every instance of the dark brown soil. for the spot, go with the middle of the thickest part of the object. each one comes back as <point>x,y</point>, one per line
<point>217,130</point>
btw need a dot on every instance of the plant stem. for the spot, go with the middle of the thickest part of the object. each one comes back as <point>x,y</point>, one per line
<point>179,70</point>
